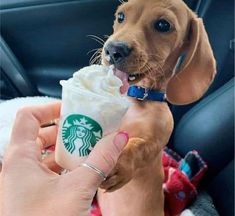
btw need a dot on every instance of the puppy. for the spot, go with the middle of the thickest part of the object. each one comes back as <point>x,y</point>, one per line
<point>148,40</point>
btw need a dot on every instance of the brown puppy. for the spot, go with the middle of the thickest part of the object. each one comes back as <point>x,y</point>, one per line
<point>148,39</point>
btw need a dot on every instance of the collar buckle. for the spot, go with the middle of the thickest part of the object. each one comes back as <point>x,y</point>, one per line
<point>145,95</point>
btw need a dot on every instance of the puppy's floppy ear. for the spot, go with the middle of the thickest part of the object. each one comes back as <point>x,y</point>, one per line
<point>197,71</point>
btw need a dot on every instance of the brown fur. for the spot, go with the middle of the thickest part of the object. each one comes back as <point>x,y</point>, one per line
<point>135,185</point>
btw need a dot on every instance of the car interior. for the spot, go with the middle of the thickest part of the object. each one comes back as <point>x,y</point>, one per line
<point>45,41</point>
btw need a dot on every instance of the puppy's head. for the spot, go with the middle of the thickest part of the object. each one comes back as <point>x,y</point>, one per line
<point>148,39</point>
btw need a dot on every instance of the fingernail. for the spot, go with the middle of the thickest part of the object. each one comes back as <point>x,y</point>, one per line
<point>121,139</point>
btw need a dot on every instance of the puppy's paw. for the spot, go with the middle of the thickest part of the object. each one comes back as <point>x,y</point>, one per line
<point>129,161</point>
<point>117,178</point>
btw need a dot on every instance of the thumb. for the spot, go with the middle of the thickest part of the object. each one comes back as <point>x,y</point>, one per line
<point>104,157</point>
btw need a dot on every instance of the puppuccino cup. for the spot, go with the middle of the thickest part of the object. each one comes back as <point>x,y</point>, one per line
<point>92,106</point>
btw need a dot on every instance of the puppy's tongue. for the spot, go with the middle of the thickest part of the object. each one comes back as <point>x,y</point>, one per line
<point>124,78</point>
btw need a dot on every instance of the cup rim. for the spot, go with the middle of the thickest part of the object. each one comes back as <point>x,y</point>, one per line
<point>92,94</point>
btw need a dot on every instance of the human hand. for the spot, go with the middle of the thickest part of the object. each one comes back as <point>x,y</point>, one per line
<point>29,187</point>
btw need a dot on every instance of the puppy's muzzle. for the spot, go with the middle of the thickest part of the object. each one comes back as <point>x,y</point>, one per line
<point>116,52</point>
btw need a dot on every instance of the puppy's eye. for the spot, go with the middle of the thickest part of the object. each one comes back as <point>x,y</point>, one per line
<point>120,17</point>
<point>162,25</point>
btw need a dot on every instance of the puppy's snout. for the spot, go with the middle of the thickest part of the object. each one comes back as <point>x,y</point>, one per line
<point>116,52</point>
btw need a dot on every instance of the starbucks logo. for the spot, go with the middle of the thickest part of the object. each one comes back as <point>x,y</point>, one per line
<point>80,134</point>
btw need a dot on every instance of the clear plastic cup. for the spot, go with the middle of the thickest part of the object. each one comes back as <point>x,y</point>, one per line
<point>85,118</point>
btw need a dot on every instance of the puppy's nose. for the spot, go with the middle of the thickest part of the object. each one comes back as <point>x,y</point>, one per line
<point>116,51</point>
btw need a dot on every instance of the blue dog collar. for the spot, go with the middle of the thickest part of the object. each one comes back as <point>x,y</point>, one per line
<point>141,94</point>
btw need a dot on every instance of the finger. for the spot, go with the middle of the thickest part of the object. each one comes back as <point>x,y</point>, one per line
<point>49,161</point>
<point>29,119</point>
<point>51,123</point>
<point>104,157</point>
<point>47,136</point>
<point>46,113</point>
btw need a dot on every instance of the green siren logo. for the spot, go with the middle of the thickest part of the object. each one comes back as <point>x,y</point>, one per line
<point>80,134</point>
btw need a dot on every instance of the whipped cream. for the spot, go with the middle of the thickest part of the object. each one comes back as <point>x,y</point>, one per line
<point>96,79</point>
<point>95,91</point>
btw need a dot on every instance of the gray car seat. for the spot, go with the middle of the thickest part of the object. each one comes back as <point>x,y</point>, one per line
<point>209,128</point>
